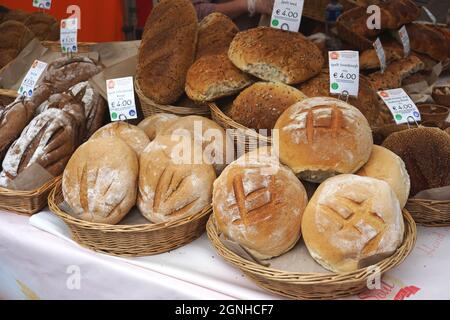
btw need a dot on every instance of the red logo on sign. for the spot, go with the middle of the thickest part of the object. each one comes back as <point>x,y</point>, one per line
<point>384,94</point>
<point>111,84</point>
<point>334,55</point>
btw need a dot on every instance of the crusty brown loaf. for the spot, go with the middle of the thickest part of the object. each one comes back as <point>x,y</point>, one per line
<point>16,15</point>
<point>100,181</point>
<point>167,50</point>
<point>14,37</point>
<point>155,124</point>
<point>169,190</point>
<point>369,59</point>
<point>214,76</point>
<point>49,140</point>
<point>396,13</point>
<point>427,40</point>
<point>367,101</point>
<point>215,33</point>
<point>352,222</point>
<point>321,137</point>
<point>132,135</point>
<point>13,119</point>
<point>258,52</point>
<point>260,105</point>
<point>259,204</point>
<point>44,26</point>
<point>426,153</point>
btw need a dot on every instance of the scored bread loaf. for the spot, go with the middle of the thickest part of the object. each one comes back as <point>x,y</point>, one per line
<point>352,222</point>
<point>215,33</point>
<point>259,204</point>
<point>260,105</point>
<point>100,181</point>
<point>258,52</point>
<point>321,137</point>
<point>387,166</point>
<point>134,136</point>
<point>167,50</point>
<point>214,76</point>
<point>170,189</point>
<point>49,140</point>
<point>155,124</point>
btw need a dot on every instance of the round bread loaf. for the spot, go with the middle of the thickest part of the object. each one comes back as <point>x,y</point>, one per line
<point>321,137</point>
<point>153,125</point>
<point>387,166</point>
<point>259,106</point>
<point>100,180</point>
<point>44,26</point>
<point>259,204</point>
<point>214,76</point>
<point>169,189</point>
<point>426,153</point>
<point>14,37</point>
<point>352,222</point>
<point>258,52</point>
<point>132,135</point>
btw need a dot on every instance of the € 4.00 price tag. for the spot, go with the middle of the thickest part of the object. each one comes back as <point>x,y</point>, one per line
<point>404,38</point>
<point>121,101</point>
<point>344,72</point>
<point>31,78</point>
<point>69,30</point>
<point>381,54</point>
<point>44,4</point>
<point>287,14</point>
<point>401,106</point>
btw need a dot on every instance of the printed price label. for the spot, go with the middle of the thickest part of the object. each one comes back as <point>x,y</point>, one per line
<point>44,4</point>
<point>401,106</point>
<point>121,101</point>
<point>344,72</point>
<point>31,78</point>
<point>404,37</point>
<point>430,15</point>
<point>287,14</point>
<point>69,30</point>
<point>381,54</point>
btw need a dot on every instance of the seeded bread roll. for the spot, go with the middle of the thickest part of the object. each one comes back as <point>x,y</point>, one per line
<point>258,52</point>
<point>214,76</point>
<point>167,50</point>
<point>426,153</point>
<point>155,124</point>
<point>100,181</point>
<point>215,33</point>
<point>321,137</point>
<point>352,222</point>
<point>259,204</point>
<point>260,105</point>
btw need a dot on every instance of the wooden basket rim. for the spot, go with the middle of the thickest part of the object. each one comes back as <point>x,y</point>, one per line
<point>30,193</point>
<point>9,93</point>
<point>398,257</point>
<point>118,228</point>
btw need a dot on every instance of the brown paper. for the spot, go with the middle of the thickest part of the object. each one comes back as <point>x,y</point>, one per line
<point>31,178</point>
<point>112,53</point>
<point>438,194</point>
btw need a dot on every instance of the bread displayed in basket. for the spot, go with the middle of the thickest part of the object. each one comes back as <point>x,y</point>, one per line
<point>276,55</point>
<point>387,166</point>
<point>170,188</point>
<point>155,124</point>
<point>14,37</point>
<point>321,137</point>
<point>214,76</point>
<point>259,106</point>
<point>167,50</point>
<point>426,153</point>
<point>215,33</point>
<point>259,204</point>
<point>100,181</point>
<point>134,136</point>
<point>429,40</point>
<point>352,222</point>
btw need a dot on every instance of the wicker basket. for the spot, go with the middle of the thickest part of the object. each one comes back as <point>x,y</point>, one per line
<point>239,133</point>
<point>315,9</point>
<point>130,240</point>
<point>347,34</point>
<point>150,107</point>
<point>313,285</point>
<point>430,213</point>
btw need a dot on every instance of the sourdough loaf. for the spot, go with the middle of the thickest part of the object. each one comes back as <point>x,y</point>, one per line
<point>155,124</point>
<point>14,37</point>
<point>428,40</point>
<point>44,26</point>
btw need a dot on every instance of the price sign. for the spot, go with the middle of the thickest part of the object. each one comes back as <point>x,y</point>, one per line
<point>404,37</point>
<point>430,15</point>
<point>381,54</point>
<point>44,4</point>
<point>31,78</point>
<point>344,72</point>
<point>69,28</point>
<point>287,14</point>
<point>121,101</point>
<point>401,106</point>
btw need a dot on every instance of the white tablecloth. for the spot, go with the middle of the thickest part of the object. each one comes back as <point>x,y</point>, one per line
<point>38,260</point>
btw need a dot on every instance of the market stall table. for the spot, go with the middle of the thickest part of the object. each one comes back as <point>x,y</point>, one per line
<point>48,265</point>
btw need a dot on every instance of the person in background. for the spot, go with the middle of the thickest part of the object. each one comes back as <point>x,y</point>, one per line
<point>245,13</point>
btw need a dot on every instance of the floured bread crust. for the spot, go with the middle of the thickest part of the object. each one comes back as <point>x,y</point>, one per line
<point>155,124</point>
